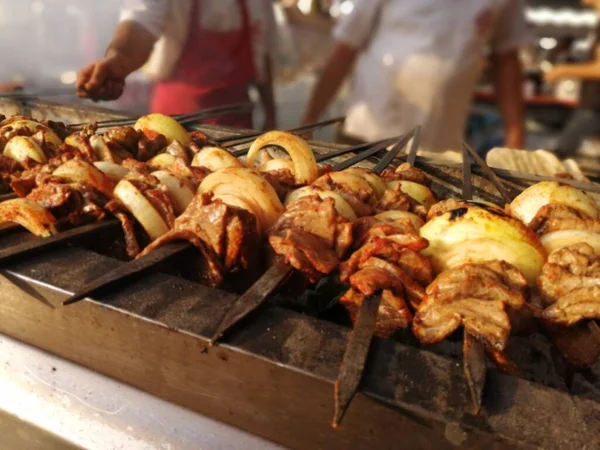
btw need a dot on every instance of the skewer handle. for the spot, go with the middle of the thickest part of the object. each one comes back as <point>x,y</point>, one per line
<point>252,299</point>
<point>355,356</point>
<point>129,269</point>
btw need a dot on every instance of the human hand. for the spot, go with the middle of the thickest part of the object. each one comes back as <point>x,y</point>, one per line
<point>102,80</point>
<point>556,74</point>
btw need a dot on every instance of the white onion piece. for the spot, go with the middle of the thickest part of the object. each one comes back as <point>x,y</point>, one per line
<point>341,205</point>
<point>27,213</point>
<point>178,189</point>
<point>526,205</point>
<point>251,187</point>
<point>418,192</point>
<point>113,171</point>
<point>33,127</point>
<point>79,171</point>
<point>354,183</point>
<point>305,165</point>
<point>215,158</point>
<point>273,165</point>
<point>556,240</point>
<point>162,161</point>
<point>22,148</point>
<point>370,177</point>
<point>399,215</point>
<point>153,124</point>
<point>238,202</point>
<point>143,211</point>
<point>100,148</point>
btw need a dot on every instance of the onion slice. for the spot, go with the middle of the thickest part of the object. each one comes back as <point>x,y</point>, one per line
<point>556,240</point>
<point>370,177</point>
<point>526,205</point>
<point>249,186</point>
<point>141,209</point>
<point>418,192</point>
<point>341,205</point>
<point>113,171</point>
<point>153,124</point>
<point>178,189</point>
<point>22,148</point>
<point>215,158</point>
<point>273,165</point>
<point>27,213</point>
<point>31,127</point>
<point>79,171</point>
<point>162,161</point>
<point>305,165</point>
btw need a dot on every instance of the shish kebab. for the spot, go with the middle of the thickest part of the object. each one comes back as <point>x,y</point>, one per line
<point>223,186</point>
<point>292,236</point>
<point>167,160</point>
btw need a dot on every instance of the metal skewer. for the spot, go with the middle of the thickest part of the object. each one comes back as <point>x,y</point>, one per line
<point>359,340</point>
<point>258,293</point>
<point>473,350</point>
<point>414,147</point>
<point>37,245</point>
<point>137,266</point>
<point>299,130</point>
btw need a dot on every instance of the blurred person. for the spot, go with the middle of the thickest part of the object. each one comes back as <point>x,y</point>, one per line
<point>418,63</point>
<point>585,121</point>
<point>203,53</point>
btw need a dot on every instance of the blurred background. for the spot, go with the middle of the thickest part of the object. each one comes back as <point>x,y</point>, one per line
<point>44,42</point>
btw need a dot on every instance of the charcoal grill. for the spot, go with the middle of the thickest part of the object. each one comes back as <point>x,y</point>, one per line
<point>273,376</point>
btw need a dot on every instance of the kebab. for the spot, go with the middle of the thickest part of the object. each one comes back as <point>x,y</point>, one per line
<point>222,186</point>
<point>567,221</point>
<point>484,260</point>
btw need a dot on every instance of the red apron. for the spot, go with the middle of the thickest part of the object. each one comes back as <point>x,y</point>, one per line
<point>215,69</point>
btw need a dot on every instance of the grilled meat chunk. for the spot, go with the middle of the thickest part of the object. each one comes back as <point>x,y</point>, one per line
<point>408,173</point>
<point>570,285</point>
<point>226,236</point>
<point>474,295</point>
<point>361,202</point>
<point>311,236</point>
<point>444,206</point>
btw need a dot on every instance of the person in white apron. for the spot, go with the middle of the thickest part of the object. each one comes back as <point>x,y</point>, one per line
<point>418,63</point>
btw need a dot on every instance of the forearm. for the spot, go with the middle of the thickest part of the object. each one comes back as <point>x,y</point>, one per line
<point>590,71</point>
<point>337,67</point>
<point>508,82</point>
<point>133,44</point>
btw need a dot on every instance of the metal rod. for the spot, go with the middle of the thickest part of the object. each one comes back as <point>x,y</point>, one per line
<point>392,153</point>
<point>129,269</point>
<point>353,149</point>
<point>355,356</point>
<point>259,291</point>
<point>34,246</point>
<point>9,196</point>
<point>372,151</point>
<point>412,155</point>
<point>488,172</point>
<point>473,350</point>
<point>252,298</point>
<point>250,137</point>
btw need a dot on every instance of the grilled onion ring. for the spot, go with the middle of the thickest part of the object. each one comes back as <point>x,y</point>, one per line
<point>215,158</point>
<point>397,215</point>
<point>418,192</point>
<point>79,171</point>
<point>178,189</point>
<point>370,177</point>
<point>113,171</point>
<point>22,148</point>
<point>153,124</point>
<point>139,206</point>
<point>305,165</point>
<point>27,213</point>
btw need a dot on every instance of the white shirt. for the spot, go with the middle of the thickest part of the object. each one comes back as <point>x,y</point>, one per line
<point>169,20</point>
<point>419,63</point>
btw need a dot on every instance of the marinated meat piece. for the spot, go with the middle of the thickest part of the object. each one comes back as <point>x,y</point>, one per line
<point>319,217</point>
<point>282,181</point>
<point>406,172</point>
<point>150,146</point>
<point>570,285</point>
<point>60,128</point>
<point>132,245</point>
<point>199,139</point>
<point>401,232</point>
<point>8,165</point>
<point>474,295</point>
<point>360,202</point>
<point>322,259</point>
<point>126,137</point>
<point>195,175</point>
<point>226,236</point>
<point>553,211</point>
<point>415,265</point>
<point>51,195</point>
<point>393,200</point>
<point>393,314</point>
<point>444,206</point>
<point>163,204</point>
